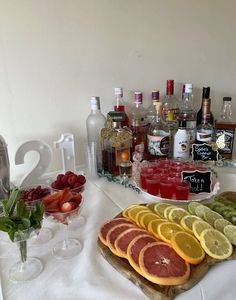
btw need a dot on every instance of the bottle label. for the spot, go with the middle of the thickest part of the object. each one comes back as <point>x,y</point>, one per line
<point>225,140</point>
<point>204,135</point>
<point>191,127</point>
<point>174,111</point>
<point>181,145</point>
<point>158,145</point>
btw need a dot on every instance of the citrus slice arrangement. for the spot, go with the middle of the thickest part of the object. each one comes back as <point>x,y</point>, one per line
<point>156,238</point>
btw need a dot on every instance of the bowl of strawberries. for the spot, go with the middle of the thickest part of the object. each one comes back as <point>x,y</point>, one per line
<point>69,180</point>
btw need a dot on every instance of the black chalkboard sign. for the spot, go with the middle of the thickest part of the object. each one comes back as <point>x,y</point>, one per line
<point>201,181</point>
<point>204,152</point>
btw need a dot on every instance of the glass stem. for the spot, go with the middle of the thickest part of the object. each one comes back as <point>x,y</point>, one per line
<point>23,251</point>
<point>66,236</point>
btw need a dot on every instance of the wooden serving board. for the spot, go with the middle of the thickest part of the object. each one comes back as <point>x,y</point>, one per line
<point>161,292</point>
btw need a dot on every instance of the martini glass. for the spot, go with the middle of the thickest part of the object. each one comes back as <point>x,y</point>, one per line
<point>27,268</point>
<point>45,234</point>
<point>68,247</point>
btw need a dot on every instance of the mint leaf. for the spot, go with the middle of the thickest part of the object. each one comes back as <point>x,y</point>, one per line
<point>22,211</point>
<point>9,205</point>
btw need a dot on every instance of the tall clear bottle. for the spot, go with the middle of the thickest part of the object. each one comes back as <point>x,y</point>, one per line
<point>205,130</point>
<point>94,123</point>
<point>151,110</point>
<point>170,102</point>
<point>205,95</point>
<point>187,111</point>
<point>225,129</point>
<point>4,170</point>
<point>119,105</point>
<point>138,124</point>
<point>158,136</point>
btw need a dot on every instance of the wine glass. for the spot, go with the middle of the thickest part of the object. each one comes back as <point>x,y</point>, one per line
<point>31,195</point>
<point>27,268</point>
<point>68,247</point>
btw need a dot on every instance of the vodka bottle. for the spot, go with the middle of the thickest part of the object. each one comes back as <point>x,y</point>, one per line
<point>120,106</point>
<point>94,123</point>
<point>151,110</point>
<point>170,102</point>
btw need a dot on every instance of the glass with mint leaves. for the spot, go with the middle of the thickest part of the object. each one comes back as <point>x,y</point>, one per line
<point>20,222</point>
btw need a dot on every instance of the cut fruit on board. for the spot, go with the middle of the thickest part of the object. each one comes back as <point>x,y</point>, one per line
<point>167,229</point>
<point>160,264</point>
<point>153,226</point>
<point>220,224</point>
<point>176,214</point>
<point>188,247</point>
<point>187,222</point>
<point>160,208</point>
<point>146,219</point>
<point>123,240</point>
<point>105,227</point>
<point>198,227</point>
<point>135,247</point>
<point>230,233</point>
<point>135,210</point>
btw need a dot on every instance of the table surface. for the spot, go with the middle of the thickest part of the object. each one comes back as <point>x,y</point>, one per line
<point>88,275</point>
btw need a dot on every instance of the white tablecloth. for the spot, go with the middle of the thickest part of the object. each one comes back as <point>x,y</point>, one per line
<point>88,276</point>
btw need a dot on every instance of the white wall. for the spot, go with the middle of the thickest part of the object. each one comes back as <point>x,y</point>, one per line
<point>55,54</point>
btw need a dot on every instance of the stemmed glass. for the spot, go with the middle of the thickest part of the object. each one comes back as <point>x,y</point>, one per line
<point>68,247</point>
<point>26,268</point>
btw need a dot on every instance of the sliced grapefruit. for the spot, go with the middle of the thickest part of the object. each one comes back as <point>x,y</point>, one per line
<point>102,233</point>
<point>113,234</point>
<point>134,248</point>
<point>160,264</point>
<point>123,240</point>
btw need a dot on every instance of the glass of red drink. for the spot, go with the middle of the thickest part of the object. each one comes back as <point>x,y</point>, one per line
<point>153,184</point>
<point>182,190</point>
<point>166,188</point>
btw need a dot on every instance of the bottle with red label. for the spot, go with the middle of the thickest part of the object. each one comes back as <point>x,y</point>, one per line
<point>170,102</point>
<point>158,136</point>
<point>120,106</point>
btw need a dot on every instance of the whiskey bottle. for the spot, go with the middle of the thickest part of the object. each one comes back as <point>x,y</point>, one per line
<point>204,132</point>
<point>205,95</point>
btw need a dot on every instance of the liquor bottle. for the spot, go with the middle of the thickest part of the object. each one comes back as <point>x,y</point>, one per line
<point>151,110</point>
<point>225,130</point>
<point>170,102</point>
<point>158,136</point>
<point>187,111</point>
<point>4,170</point>
<point>204,132</point>
<point>94,123</point>
<point>115,141</point>
<point>181,141</point>
<point>120,106</point>
<point>205,95</point>
<point>138,124</point>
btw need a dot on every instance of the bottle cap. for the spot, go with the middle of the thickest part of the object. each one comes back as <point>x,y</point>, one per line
<point>138,97</point>
<point>227,98</point>
<point>170,87</point>
<point>155,95</point>
<point>118,91</point>
<point>188,88</point>
<point>182,124</point>
<point>95,102</point>
<point>206,92</point>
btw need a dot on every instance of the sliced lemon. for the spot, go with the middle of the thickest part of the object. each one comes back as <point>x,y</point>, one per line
<point>160,208</point>
<point>151,206</point>
<point>188,247</point>
<point>167,210</point>
<point>153,226</point>
<point>230,233</point>
<point>216,244</point>
<point>167,229</point>
<point>139,216</point>
<point>210,216</point>
<point>125,211</point>
<point>192,207</point>
<point>176,214</point>
<point>220,224</point>
<point>146,218</point>
<point>187,222</point>
<point>132,212</point>
<point>199,226</point>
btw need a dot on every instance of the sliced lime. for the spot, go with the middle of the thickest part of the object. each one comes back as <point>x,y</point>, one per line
<point>192,207</point>
<point>210,217</point>
<point>220,224</point>
<point>230,233</point>
<point>200,211</point>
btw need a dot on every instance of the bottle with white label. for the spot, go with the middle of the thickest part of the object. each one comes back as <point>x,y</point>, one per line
<point>205,130</point>
<point>181,142</point>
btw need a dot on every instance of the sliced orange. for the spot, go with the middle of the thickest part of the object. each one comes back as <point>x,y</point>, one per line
<point>153,226</point>
<point>146,218</point>
<point>139,216</point>
<point>125,211</point>
<point>167,229</point>
<point>188,247</point>
<point>167,210</point>
<point>136,209</point>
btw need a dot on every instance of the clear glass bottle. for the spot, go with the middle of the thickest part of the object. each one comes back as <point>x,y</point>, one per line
<point>4,171</point>
<point>94,123</point>
<point>138,124</point>
<point>125,166</point>
<point>181,141</point>
<point>170,102</point>
<point>187,111</point>
<point>115,140</point>
<point>151,110</point>
<point>120,106</point>
<point>205,131</point>
<point>205,95</point>
<point>225,130</point>
<point>158,136</point>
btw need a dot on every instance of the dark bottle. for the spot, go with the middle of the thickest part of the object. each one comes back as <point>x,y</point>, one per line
<point>205,95</point>
<point>204,132</point>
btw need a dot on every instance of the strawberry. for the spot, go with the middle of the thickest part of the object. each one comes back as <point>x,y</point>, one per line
<point>72,180</point>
